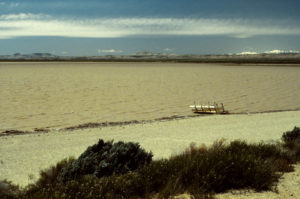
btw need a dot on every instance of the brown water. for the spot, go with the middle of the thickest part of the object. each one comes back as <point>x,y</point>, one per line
<point>57,95</point>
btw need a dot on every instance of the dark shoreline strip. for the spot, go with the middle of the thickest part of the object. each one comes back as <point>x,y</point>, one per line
<point>271,111</point>
<point>94,125</point>
<point>20,132</point>
<point>238,59</point>
<point>123,123</point>
<point>109,124</point>
<point>15,132</point>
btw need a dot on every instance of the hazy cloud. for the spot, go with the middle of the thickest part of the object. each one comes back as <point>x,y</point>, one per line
<point>27,24</point>
<point>247,53</point>
<point>276,51</point>
<point>109,51</point>
<point>11,5</point>
<point>167,49</point>
<point>22,17</point>
<point>16,4</point>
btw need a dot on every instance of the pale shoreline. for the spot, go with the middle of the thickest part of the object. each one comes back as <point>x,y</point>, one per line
<point>25,155</point>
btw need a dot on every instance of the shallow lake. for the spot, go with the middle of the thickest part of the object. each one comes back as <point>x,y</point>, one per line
<point>57,95</point>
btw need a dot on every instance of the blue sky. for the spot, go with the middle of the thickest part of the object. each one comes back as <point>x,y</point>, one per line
<point>101,27</point>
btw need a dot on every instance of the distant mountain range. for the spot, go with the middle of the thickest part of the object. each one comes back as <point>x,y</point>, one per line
<point>244,57</point>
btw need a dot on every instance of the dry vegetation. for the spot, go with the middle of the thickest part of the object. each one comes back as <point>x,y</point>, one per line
<point>124,170</point>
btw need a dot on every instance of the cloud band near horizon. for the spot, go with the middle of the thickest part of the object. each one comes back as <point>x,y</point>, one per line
<point>27,24</point>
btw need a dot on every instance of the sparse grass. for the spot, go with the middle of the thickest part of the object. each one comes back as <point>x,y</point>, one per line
<point>200,171</point>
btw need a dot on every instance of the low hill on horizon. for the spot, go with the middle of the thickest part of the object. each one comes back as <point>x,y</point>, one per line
<point>272,57</point>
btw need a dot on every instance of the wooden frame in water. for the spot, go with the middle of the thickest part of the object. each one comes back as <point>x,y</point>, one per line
<point>209,109</point>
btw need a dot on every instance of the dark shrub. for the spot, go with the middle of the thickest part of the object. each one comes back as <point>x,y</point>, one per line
<point>220,168</point>
<point>105,159</point>
<point>291,136</point>
<point>291,140</point>
<point>48,179</point>
<point>49,176</point>
<point>271,152</point>
<point>201,171</point>
<point>8,190</point>
<point>92,187</point>
<point>104,171</point>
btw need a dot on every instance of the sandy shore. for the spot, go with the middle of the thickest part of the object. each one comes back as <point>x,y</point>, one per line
<point>23,156</point>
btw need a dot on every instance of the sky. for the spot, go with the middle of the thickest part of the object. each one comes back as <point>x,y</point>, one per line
<point>125,27</point>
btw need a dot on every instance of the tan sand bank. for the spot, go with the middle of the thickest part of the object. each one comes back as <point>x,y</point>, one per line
<point>23,156</point>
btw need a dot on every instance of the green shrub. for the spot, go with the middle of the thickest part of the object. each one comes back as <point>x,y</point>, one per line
<point>105,159</point>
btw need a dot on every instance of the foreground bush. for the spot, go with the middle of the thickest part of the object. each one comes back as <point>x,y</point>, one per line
<point>291,136</point>
<point>106,159</point>
<point>48,179</point>
<point>8,190</point>
<point>291,140</point>
<point>199,171</point>
<point>124,170</point>
<point>217,169</point>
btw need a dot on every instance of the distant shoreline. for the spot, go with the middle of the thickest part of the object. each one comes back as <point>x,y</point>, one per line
<point>285,58</point>
<point>238,62</point>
